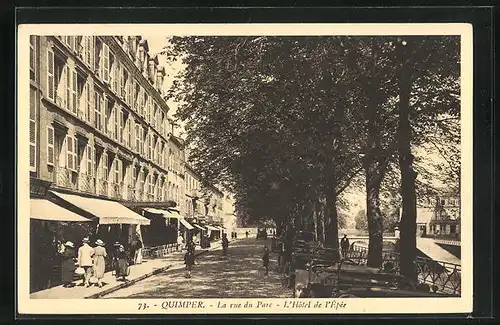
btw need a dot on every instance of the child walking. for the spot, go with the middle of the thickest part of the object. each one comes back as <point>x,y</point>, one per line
<point>189,261</point>
<point>265,259</point>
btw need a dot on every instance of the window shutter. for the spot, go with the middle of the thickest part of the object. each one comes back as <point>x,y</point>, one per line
<point>73,91</point>
<point>32,129</point>
<point>89,160</point>
<point>88,97</point>
<point>75,154</point>
<point>105,166</point>
<point>50,146</point>
<point>106,62</point>
<point>50,74</point>
<point>69,151</point>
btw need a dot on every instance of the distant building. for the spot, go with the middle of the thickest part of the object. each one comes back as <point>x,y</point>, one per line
<point>439,217</point>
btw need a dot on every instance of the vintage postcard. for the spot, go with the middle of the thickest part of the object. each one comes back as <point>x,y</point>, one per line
<point>244,168</point>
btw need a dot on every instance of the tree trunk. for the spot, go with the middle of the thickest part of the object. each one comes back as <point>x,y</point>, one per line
<point>408,224</point>
<point>331,231</point>
<point>321,221</point>
<point>374,216</point>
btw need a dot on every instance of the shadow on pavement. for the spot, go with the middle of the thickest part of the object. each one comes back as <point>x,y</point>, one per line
<point>240,274</point>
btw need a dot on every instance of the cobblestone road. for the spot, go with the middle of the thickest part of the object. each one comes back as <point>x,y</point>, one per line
<point>240,274</point>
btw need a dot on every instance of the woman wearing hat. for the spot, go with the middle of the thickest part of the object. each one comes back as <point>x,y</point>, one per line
<point>99,261</point>
<point>68,264</point>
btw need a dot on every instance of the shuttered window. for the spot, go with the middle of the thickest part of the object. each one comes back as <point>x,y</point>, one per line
<point>71,153</point>
<point>33,131</point>
<point>98,110</point>
<point>50,146</point>
<point>50,75</point>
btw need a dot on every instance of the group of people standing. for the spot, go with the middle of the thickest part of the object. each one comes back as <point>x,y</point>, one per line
<point>90,262</point>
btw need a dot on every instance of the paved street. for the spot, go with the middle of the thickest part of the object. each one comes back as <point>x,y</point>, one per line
<point>238,275</point>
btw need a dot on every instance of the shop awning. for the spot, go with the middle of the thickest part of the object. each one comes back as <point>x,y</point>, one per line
<point>166,213</point>
<point>108,212</point>
<point>199,227</point>
<point>45,210</point>
<point>209,227</point>
<point>186,224</point>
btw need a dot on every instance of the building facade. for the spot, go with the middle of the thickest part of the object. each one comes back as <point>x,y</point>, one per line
<point>439,217</point>
<point>98,122</point>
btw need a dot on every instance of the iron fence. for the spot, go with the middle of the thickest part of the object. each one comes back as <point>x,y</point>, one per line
<point>160,251</point>
<point>442,277</point>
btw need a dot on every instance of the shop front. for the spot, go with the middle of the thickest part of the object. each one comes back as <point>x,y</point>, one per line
<point>116,223</point>
<point>50,227</point>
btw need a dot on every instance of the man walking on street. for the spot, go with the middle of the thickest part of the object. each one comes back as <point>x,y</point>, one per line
<point>265,259</point>
<point>85,253</point>
<point>225,243</point>
<point>344,244</point>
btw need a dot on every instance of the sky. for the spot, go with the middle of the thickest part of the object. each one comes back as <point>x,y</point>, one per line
<point>156,44</point>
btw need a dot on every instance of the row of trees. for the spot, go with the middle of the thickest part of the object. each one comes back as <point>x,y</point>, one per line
<point>289,123</point>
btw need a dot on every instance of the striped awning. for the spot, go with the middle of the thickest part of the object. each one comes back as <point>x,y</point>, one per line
<point>209,227</point>
<point>186,224</point>
<point>198,226</point>
<point>166,213</point>
<point>108,212</point>
<point>45,210</point>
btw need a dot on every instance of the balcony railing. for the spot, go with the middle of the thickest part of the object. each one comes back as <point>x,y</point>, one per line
<point>115,191</point>
<point>130,193</point>
<point>86,183</point>
<point>66,178</point>
<point>102,187</point>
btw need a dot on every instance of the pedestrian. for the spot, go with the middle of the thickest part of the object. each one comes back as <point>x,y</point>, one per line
<point>265,259</point>
<point>138,252</point>
<point>190,246</point>
<point>68,265</point>
<point>344,245</point>
<point>189,261</point>
<point>225,243</point>
<point>85,253</point>
<point>180,242</point>
<point>114,259</point>
<point>100,255</point>
<point>235,235</point>
<point>122,263</point>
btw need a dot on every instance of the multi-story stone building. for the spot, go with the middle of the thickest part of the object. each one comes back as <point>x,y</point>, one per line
<point>98,122</point>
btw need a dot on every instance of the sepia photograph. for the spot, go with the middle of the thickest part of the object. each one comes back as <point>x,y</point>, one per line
<point>245,168</point>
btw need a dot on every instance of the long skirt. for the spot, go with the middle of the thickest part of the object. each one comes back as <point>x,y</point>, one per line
<point>99,267</point>
<point>138,256</point>
<point>67,271</point>
<point>122,267</point>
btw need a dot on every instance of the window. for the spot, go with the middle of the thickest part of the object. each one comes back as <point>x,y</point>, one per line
<point>33,57</point>
<point>71,153</point>
<point>50,146</point>
<point>33,130</point>
<point>89,50</point>
<point>79,95</point>
<point>114,73</point>
<point>145,104</point>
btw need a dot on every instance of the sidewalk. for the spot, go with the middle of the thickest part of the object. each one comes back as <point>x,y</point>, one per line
<point>137,273</point>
